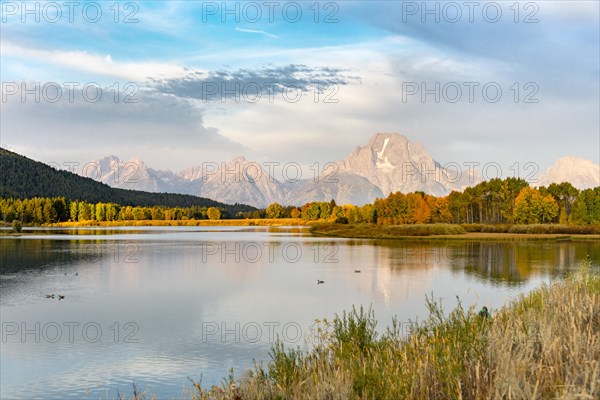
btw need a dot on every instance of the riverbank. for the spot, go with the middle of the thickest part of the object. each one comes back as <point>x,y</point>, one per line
<point>545,344</point>
<point>366,231</point>
<point>432,232</point>
<point>189,222</point>
<point>141,223</point>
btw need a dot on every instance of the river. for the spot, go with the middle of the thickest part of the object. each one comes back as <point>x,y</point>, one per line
<point>158,306</point>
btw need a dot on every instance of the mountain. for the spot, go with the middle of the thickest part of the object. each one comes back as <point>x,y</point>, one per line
<point>22,177</point>
<point>388,163</point>
<point>238,180</point>
<point>344,187</point>
<point>135,175</point>
<point>581,173</point>
<point>393,163</point>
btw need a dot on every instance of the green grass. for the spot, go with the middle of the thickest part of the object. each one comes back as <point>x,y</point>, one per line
<point>543,345</point>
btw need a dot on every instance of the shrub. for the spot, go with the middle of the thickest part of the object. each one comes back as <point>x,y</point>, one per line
<point>213,213</point>
<point>472,227</point>
<point>555,229</point>
<point>423,229</point>
<point>495,228</point>
<point>16,225</point>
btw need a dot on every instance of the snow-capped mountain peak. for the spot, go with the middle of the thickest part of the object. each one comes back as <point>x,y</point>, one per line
<point>393,163</point>
<point>580,172</point>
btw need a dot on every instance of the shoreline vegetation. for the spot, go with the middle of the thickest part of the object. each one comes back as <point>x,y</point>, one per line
<point>544,344</point>
<point>476,232</point>
<point>456,232</point>
<point>189,222</point>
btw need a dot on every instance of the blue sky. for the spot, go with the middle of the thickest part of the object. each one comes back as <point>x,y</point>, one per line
<point>364,55</point>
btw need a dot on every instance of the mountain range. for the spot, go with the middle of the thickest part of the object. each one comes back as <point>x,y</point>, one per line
<point>23,177</point>
<point>389,162</point>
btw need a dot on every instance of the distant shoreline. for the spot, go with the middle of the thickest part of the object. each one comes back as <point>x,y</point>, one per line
<point>423,232</point>
<point>427,232</point>
<point>165,223</point>
<point>189,222</point>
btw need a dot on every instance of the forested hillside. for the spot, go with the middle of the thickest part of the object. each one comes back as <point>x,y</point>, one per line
<point>21,177</point>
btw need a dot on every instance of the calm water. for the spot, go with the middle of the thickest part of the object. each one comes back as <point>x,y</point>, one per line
<point>157,306</point>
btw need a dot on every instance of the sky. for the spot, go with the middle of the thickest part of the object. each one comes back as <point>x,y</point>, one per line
<point>180,83</point>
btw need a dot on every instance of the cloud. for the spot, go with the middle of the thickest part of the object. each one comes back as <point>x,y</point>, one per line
<point>94,63</point>
<point>553,43</point>
<point>152,128</point>
<point>254,83</point>
<point>256,31</point>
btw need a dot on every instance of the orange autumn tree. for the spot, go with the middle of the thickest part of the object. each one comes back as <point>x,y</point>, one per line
<point>418,209</point>
<point>400,208</point>
<point>391,209</point>
<point>439,208</point>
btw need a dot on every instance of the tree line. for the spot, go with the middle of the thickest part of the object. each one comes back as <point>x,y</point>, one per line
<point>497,201</point>
<point>46,210</point>
<point>508,201</point>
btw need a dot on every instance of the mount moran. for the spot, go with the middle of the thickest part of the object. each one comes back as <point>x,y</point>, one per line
<point>388,163</point>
